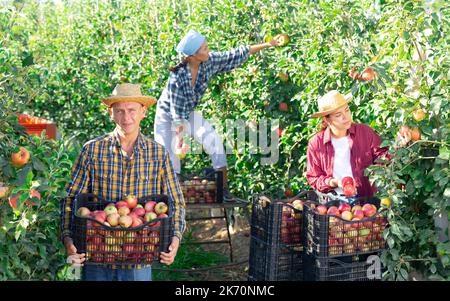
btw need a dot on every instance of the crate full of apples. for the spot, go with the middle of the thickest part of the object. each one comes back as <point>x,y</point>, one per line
<point>36,125</point>
<point>338,228</point>
<point>203,189</point>
<point>276,249</point>
<point>129,231</point>
<point>277,221</point>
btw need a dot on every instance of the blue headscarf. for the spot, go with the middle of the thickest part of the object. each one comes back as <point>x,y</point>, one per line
<point>190,43</point>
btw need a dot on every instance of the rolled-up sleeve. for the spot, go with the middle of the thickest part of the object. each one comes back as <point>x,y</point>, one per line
<point>228,60</point>
<point>316,176</point>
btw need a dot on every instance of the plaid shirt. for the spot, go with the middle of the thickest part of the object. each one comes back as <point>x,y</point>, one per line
<point>180,98</point>
<point>104,170</point>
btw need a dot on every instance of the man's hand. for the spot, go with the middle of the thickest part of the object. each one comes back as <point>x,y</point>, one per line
<point>74,258</point>
<point>168,258</point>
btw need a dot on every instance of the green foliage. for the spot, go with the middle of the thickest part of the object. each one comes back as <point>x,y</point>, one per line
<point>31,248</point>
<point>58,61</point>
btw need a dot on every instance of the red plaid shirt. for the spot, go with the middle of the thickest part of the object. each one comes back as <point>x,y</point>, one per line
<point>364,150</point>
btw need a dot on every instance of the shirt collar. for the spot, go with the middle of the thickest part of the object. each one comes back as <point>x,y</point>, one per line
<point>140,141</point>
<point>327,133</point>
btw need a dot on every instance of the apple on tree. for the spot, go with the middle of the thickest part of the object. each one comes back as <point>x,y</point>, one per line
<point>20,158</point>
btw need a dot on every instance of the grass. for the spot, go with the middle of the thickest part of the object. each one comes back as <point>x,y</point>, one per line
<point>189,256</point>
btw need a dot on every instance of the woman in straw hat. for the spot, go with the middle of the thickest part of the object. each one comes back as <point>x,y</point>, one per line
<point>176,114</point>
<point>342,148</point>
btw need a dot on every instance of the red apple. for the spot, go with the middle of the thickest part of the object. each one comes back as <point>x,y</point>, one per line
<point>347,181</point>
<point>349,190</point>
<point>369,210</point>
<point>356,225</point>
<point>356,207</point>
<point>321,209</point>
<point>344,207</point>
<point>333,210</point>
<point>150,206</point>
<point>131,201</point>
<point>283,107</point>
<point>358,214</point>
<point>20,158</point>
<point>136,222</point>
<point>139,211</point>
<point>121,204</point>
<point>100,216</point>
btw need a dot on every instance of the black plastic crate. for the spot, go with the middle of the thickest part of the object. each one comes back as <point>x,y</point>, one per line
<point>363,267</point>
<point>274,263</point>
<point>276,239</point>
<point>207,188</point>
<point>332,236</point>
<point>105,245</point>
<point>277,222</point>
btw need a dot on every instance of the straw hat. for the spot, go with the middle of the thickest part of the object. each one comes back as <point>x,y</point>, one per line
<point>128,93</point>
<point>331,102</point>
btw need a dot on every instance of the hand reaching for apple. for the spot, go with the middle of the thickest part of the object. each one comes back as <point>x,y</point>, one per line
<point>74,258</point>
<point>403,138</point>
<point>168,258</point>
<point>279,40</point>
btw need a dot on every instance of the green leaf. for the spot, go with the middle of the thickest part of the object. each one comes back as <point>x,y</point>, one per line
<point>404,274</point>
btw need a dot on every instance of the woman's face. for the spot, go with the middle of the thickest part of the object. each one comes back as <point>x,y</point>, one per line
<point>202,53</point>
<point>341,119</point>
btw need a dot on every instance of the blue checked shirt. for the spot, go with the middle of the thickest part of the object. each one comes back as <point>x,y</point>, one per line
<point>105,170</point>
<point>181,98</point>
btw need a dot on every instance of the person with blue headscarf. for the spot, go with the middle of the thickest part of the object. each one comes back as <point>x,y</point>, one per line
<point>176,113</point>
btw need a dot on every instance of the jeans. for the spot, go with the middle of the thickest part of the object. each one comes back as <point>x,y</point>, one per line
<point>96,273</point>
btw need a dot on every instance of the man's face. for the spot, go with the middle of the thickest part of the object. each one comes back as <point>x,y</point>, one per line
<point>127,116</point>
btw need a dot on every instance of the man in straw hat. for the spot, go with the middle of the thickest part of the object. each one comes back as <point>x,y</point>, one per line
<point>341,148</point>
<point>121,163</point>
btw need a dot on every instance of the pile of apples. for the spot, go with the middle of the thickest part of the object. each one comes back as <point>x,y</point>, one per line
<point>353,229</point>
<point>27,119</point>
<point>126,213</point>
<point>198,190</point>
<point>291,219</point>
<point>291,225</point>
<point>120,244</point>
